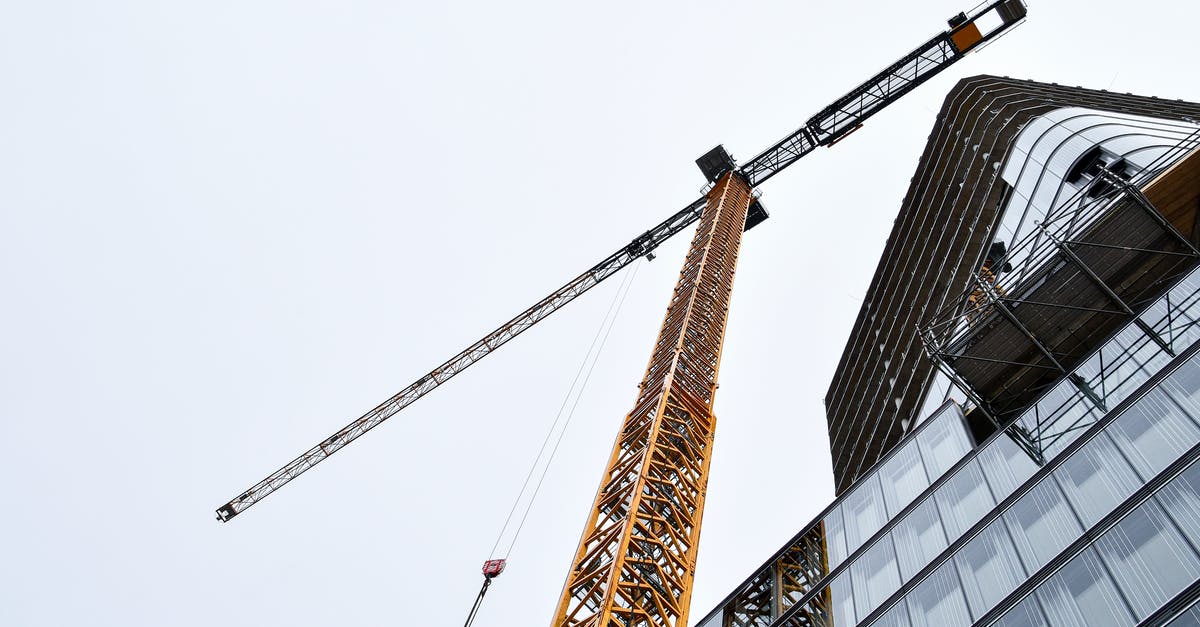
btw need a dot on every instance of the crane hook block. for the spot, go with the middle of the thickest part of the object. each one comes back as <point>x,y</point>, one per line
<point>493,568</point>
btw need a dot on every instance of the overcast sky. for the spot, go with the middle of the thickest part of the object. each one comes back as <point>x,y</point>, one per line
<point>229,228</point>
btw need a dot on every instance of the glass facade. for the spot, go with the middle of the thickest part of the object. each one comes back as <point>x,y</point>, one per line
<point>1100,527</point>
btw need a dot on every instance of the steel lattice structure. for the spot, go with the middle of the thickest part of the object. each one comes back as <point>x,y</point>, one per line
<point>641,246</point>
<point>637,556</point>
<point>636,559</point>
<point>833,123</point>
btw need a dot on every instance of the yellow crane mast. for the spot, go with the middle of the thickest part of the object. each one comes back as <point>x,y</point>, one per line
<point>637,557</point>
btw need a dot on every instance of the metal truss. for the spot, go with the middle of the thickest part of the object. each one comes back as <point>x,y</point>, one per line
<point>847,113</point>
<point>641,246</point>
<point>636,560</point>
<point>783,583</point>
<point>1056,246</point>
<point>825,128</point>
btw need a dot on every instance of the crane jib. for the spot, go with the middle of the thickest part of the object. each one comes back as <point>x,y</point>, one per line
<point>831,124</point>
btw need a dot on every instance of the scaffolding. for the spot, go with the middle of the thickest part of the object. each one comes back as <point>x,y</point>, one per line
<point>1089,269</point>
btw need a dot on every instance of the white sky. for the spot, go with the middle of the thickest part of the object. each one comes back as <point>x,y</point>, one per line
<point>227,229</point>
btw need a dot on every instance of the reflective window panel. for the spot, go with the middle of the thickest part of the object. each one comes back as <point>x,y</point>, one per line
<point>1190,618</point>
<point>1183,385</point>
<point>1006,466</point>
<point>835,537</point>
<point>1153,433</point>
<point>1148,558</point>
<point>863,512</point>
<point>918,538</point>
<point>1082,595</point>
<point>874,576</point>
<point>1096,479</point>
<point>895,617</point>
<point>943,442</point>
<point>989,568</point>
<point>1181,499</point>
<point>1041,524</point>
<point>938,600</point>
<point>903,477</point>
<point>1027,613</point>
<point>841,601</point>
<point>964,499</point>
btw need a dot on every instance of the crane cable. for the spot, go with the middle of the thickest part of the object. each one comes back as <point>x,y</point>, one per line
<point>588,364</point>
<point>494,565</point>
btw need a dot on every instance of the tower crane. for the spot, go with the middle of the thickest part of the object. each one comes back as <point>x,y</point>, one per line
<point>635,561</point>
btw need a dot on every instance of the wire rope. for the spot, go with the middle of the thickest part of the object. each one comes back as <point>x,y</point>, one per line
<point>563,416</point>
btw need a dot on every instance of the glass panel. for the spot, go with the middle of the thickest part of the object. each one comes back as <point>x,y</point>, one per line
<point>1006,466</point>
<point>919,538</point>
<point>895,617</point>
<point>1181,499</point>
<point>1183,385</point>
<point>1095,479</point>
<point>1153,433</point>
<point>1041,524</point>
<point>1027,613</point>
<point>842,603</point>
<point>874,576</point>
<point>903,478</point>
<point>938,601</point>
<point>1082,595</point>
<point>989,568</point>
<point>835,537</point>
<point>964,499</point>
<point>1148,558</point>
<point>863,510</point>
<point>943,442</point>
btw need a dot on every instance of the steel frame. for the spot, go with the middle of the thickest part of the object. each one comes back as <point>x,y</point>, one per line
<point>847,113</point>
<point>641,246</point>
<point>834,122</point>
<point>1056,238</point>
<point>637,556</point>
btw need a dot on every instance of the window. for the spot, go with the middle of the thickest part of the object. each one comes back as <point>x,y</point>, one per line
<point>835,537</point>
<point>875,576</point>
<point>943,442</point>
<point>1082,595</point>
<point>841,600</point>
<point>1027,613</point>
<point>1181,497</point>
<point>1190,618</point>
<point>1006,466</point>
<point>895,617</point>
<point>1095,479</point>
<point>863,511</point>
<point>1041,524</point>
<point>938,601</point>
<point>918,538</point>
<point>989,568</point>
<point>1153,433</point>
<point>1183,385</point>
<point>1148,558</point>
<point>903,477</point>
<point>964,499</point>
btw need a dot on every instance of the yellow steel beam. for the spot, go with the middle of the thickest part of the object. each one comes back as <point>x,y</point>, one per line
<point>637,558</point>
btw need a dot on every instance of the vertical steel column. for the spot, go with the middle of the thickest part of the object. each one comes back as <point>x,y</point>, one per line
<point>637,557</point>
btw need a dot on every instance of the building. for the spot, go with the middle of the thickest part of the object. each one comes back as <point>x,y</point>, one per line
<point>1015,419</point>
